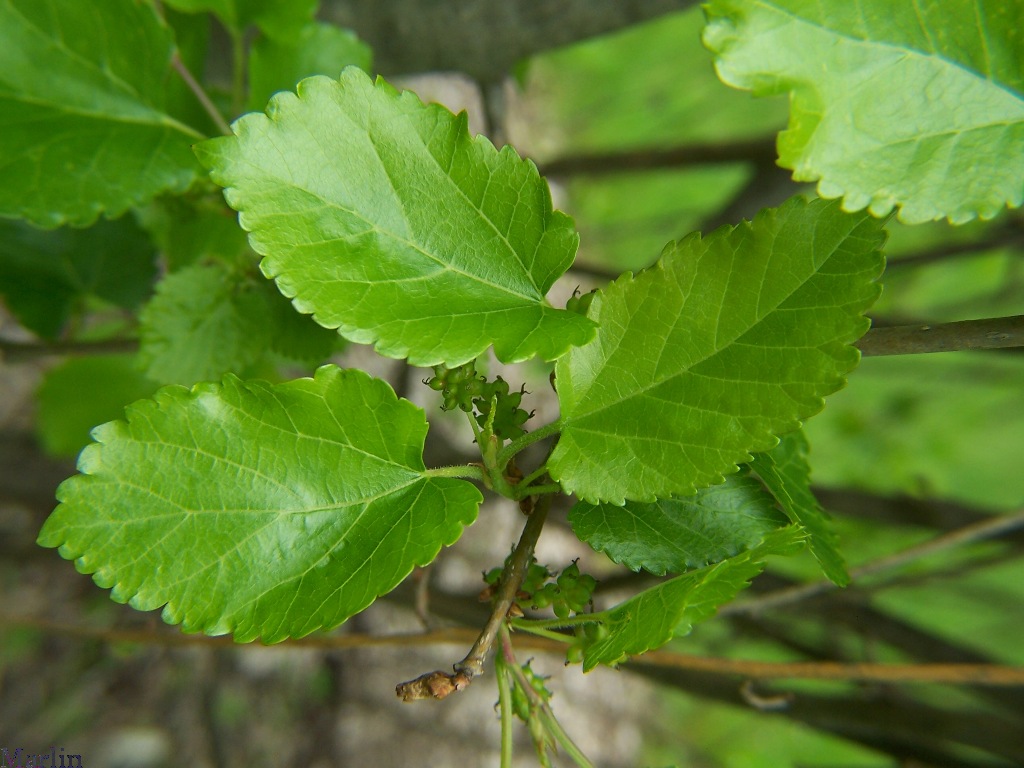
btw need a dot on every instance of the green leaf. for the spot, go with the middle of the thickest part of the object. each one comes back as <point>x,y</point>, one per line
<point>82,120</point>
<point>45,276</point>
<point>318,49</point>
<point>726,342</point>
<point>82,392</point>
<point>190,230</point>
<point>262,510</point>
<point>918,105</point>
<point>786,473</point>
<point>278,19</point>
<point>673,535</point>
<point>655,616</point>
<point>208,320</point>
<point>381,217</point>
<point>203,322</point>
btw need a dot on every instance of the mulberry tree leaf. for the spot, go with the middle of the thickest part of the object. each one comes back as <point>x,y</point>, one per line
<point>282,20</point>
<point>726,342</point>
<point>260,510</point>
<point>46,277</point>
<point>676,534</point>
<point>202,323</point>
<point>318,49</point>
<point>785,472</point>
<point>383,218</point>
<point>917,105</point>
<point>83,128</point>
<point>656,615</point>
<point>82,392</point>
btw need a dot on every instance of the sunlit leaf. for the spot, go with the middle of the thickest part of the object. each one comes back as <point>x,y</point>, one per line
<point>383,218</point>
<point>702,360</point>
<point>260,510</point>
<point>918,105</point>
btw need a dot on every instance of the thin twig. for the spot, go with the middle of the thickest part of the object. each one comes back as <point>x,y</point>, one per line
<point>990,333</point>
<point>967,674</point>
<point>511,581</point>
<point>1009,235</point>
<point>201,96</point>
<point>986,529</point>
<point>954,674</point>
<point>439,684</point>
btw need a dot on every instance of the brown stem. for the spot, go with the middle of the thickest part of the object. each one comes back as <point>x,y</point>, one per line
<point>439,684</point>
<point>991,333</point>
<point>511,581</point>
<point>967,674</point>
<point>977,532</point>
<point>954,674</point>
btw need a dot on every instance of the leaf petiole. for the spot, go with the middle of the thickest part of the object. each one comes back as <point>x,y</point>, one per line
<point>520,443</point>
<point>540,626</point>
<point>471,471</point>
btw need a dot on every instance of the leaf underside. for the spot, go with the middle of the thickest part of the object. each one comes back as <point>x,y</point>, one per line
<point>917,105</point>
<point>673,535</point>
<point>703,359</point>
<point>261,510</point>
<point>83,130</point>
<point>383,218</point>
<point>786,473</point>
<point>655,616</point>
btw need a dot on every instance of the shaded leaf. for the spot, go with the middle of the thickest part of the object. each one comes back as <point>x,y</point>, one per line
<point>917,105</point>
<point>275,18</point>
<point>673,535</point>
<point>341,188</point>
<point>203,322</point>
<point>45,276</point>
<point>318,49</point>
<point>656,615</point>
<point>83,130</point>
<point>700,361</point>
<point>82,392</point>
<point>786,473</point>
<point>261,510</point>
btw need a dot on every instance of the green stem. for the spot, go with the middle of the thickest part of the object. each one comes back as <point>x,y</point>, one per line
<point>505,704</point>
<point>555,729</point>
<point>471,471</point>
<point>537,490</point>
<point>525,482</point>
<point>505,454</point>
<point>546,633</point>
<point>511,580</point>
<point>530,625</point>
<point>200,94</point>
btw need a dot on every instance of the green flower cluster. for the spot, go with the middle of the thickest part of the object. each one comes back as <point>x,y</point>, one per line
<point>463,388</point>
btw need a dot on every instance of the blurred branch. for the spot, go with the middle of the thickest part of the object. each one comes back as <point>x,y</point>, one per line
<point>483,38</point>
<point>987,529</point>
<point>20,351</point>
<point>1010,235</point>
<point>761,151</point>
<point>957,674</point>
<point>990,333</point>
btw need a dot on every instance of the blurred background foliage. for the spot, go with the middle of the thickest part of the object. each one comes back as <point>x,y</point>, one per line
<point>912,449</point>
